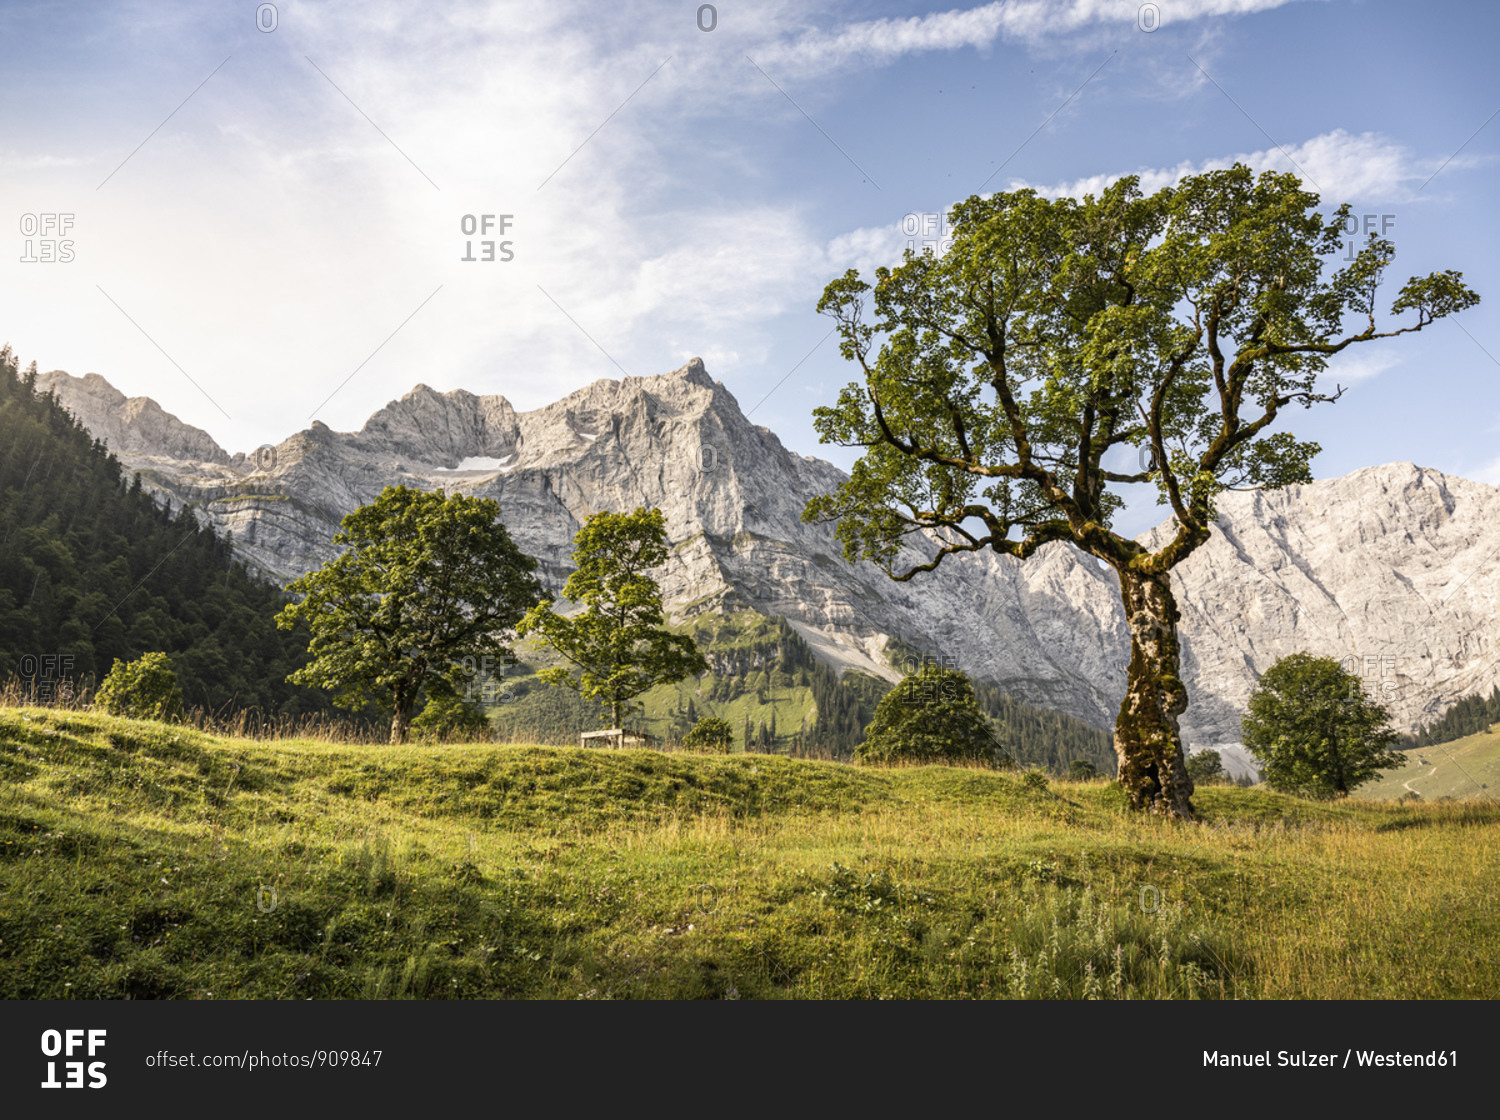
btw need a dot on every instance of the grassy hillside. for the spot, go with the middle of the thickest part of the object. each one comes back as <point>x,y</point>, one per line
<point>1465,768</point>
<point>141,860</point>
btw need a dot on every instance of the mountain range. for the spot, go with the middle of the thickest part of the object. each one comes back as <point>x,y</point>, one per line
<point>1392,569</point>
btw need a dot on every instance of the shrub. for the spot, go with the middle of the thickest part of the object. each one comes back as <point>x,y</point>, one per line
<point>450,719</point>
<point>1034,779</point>
<point>930,716</point>
<point>145,688</point>
<point>710,734</point>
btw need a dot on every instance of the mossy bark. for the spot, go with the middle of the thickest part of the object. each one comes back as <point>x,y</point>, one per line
<point>1148,741</point>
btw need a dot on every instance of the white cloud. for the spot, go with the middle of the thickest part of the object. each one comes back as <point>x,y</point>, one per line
<point>1350,368</point>
<point>867,249</point>
<point>1338,165</point>
<point>884,40</point>
<point>1363,168</point>
<point>272,240</point>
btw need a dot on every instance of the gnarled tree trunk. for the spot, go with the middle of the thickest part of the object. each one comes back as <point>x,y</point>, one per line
<point>1148,742</point>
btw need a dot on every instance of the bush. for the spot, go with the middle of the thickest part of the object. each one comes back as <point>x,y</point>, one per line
<point>930,716</point>
<point>452,719</point>
<point>145,688</point>
<point>710,734</point>
<point>1035,779</point>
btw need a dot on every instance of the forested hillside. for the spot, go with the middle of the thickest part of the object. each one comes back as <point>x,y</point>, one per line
<point>1042,738</point>
<point>93,569</point>
<point>1469,716</point>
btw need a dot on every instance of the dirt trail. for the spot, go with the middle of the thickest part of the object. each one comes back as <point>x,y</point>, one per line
<point>1430,773</point>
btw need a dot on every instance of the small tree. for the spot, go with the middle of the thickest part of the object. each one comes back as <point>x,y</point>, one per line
<point>1081,770</point>
<point>145,688</point>
<point>1314,731</point>
<point>932,715</point>
<point>710,734</point>
<point>618,642</point>
<point>427,579</point>
<point>1206,766</point>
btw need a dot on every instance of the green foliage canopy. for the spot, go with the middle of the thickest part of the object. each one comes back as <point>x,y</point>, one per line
<point>428,579</point>
<point>1054,332</point>
<point>930,716</point>
<point>1314,730</point>
<point>1206,766</point>
<point>710,734</point>
<point>618,643</point>
<point>452,718</point>
<point>1062,346</point>
<point>145,688</point>
<point>94,570</point>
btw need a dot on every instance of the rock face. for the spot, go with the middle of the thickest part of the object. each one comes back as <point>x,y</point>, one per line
<point>133,426</point>
<point>1393,568</point>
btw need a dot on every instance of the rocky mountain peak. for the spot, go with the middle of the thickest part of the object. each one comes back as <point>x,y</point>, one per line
<point>129,425</point>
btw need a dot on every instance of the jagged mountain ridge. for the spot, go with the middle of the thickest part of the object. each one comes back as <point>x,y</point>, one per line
<point>1385,565</point>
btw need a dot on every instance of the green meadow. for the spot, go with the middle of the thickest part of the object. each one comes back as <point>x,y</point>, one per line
<point>145,860</point>
<point>1465,768</point>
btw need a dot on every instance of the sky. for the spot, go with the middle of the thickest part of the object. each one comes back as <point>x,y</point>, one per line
<point>268,208</point>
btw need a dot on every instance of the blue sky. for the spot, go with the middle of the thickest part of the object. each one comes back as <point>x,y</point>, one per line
<point>276,210</point>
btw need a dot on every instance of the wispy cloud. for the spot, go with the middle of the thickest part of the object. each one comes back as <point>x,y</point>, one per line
<point>1351,368</point>
<point>37,161</point>
<point>1489,473</point>
<point>885,40</point>
<point>1367,167</point>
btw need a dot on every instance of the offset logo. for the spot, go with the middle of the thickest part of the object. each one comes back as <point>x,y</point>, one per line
<point>51,231</point>
<point>67,1044</point>
<point>471,224</point>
